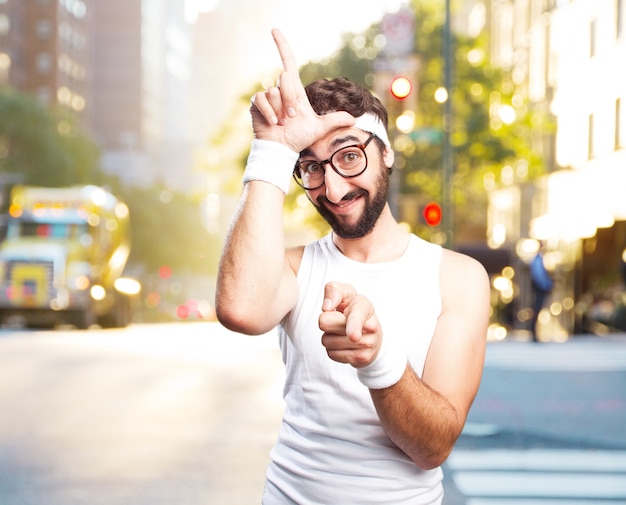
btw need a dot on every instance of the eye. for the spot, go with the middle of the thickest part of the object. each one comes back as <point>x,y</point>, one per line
<point>311,167</point>
<point>350,156</point>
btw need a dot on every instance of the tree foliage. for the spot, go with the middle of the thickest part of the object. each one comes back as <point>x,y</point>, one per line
<point>40,146</point>
<point>44,147</point>
<point>167,229</point>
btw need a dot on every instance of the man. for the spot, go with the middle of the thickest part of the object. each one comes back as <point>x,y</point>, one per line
<point>542,284</point>
<point>383,334</point>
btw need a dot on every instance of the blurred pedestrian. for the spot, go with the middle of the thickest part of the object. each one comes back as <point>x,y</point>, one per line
<point>623,267</point>
<point>542,285</point>
<point>383,334</point>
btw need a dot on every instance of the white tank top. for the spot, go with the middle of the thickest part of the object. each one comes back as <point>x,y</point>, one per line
<point>331,448</point>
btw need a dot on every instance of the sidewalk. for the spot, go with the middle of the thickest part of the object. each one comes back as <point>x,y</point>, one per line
<point>524,336</point>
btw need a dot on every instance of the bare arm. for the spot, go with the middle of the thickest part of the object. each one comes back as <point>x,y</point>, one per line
<point>256,284</point>
<point>424,417</point>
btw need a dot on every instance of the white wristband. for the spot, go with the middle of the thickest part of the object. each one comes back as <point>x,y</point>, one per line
<point>270,162</point>
<point>386,369</point>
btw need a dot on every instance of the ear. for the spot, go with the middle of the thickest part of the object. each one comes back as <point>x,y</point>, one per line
<point>388,157</point>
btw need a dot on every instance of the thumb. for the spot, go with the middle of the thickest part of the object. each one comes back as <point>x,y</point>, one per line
<point>337,296</point>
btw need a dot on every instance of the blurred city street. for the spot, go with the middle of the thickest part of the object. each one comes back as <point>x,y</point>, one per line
<point>187,413</point>
<point>125,127</point>
<point>547,427</point>
<point>154,414</point>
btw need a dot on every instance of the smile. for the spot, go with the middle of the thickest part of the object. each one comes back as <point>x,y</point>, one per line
<point>345,204</point>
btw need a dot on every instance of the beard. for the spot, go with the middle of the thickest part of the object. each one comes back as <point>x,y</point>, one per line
<point>374,206</point>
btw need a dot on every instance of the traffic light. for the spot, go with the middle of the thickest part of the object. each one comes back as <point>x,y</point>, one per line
<point>402,104</point>
<point>432,214</point>
<point>165,272</point>
<point>401,87</point>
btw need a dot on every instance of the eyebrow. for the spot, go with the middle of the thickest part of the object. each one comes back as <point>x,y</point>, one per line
<point>334,144</point>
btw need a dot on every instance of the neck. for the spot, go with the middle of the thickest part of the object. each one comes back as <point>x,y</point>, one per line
<point>386,242</point>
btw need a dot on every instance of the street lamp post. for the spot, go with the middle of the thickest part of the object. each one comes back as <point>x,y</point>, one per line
<point>448,168</point>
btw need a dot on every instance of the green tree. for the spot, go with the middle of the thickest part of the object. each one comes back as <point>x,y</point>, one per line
<point>483,143</point>
<point>167,229</point>
<point>43,146</point>
<point>484,146</point>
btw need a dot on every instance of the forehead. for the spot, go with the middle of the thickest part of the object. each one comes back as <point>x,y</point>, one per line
<point>333,141</point>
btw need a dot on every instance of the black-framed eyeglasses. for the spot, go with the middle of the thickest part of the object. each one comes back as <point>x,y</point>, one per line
<point>349,161</point>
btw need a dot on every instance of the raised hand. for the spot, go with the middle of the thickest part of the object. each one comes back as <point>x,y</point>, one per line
<point>352,333</point>
<point>283,113</point>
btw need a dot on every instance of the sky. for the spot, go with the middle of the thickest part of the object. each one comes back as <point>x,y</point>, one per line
<point>244,54</point>
<point>313,28</point>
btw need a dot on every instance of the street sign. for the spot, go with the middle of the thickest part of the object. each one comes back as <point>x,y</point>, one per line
<point>427,135</point>
<point>399,31</point>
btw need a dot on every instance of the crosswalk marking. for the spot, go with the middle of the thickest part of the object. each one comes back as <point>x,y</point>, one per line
<point>579,356</point>
<point>532,501</point>
<point>570,460</point>
<point>539,476</point>
<point>546,485</point>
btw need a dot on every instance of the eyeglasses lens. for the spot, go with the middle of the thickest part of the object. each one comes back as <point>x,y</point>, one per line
<point>348,161</point>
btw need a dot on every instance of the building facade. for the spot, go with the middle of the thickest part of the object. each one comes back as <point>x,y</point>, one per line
<point>141,79</point>
<point>121,66</point>
<point>566,58</point>
<point>45,49</point>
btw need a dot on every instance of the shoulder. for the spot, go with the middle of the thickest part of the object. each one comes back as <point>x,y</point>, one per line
<point>462,274</point>
<point>460,262</point>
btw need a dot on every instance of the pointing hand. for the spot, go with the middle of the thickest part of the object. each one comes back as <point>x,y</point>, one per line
<point>352,333</point>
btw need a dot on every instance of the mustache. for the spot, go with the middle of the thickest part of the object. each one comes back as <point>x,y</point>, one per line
<point>322,200</point>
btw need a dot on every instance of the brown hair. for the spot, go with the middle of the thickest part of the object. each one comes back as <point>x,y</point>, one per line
<point>330,95</point>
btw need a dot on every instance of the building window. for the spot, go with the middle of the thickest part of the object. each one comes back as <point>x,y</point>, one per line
<point>618,124</point>
<point>5,24</point>
<point>5,66</point>
<point>549,5</point>
<point>43,63</point>
<point>44,29</point>
<point>592,39</point>
<point>44,95</point>
<point>590,146</point>
<point>77,8</point>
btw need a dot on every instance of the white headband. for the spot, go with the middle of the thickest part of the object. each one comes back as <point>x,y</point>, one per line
<point>370,123</point>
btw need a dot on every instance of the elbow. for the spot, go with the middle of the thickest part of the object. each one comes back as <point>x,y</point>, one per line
<point>231,318</point>
<point>237,318</point>
<point>229,312</point>
<point>433,461</point>
<point>438,452</point>
<point>433,456</point>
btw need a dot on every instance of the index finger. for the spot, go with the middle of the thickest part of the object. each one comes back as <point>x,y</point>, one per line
<point>286,55</point>
<point>358,313</point>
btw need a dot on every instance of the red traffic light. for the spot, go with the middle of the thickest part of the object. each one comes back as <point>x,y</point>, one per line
<point>432,214</point>
<point>401,87</point>
<point>165,272</point>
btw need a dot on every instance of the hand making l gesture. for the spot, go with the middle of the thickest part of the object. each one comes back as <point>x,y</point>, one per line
<point>282,113</point>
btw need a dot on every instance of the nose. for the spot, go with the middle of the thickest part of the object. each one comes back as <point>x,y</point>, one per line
<point>335,185</point>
